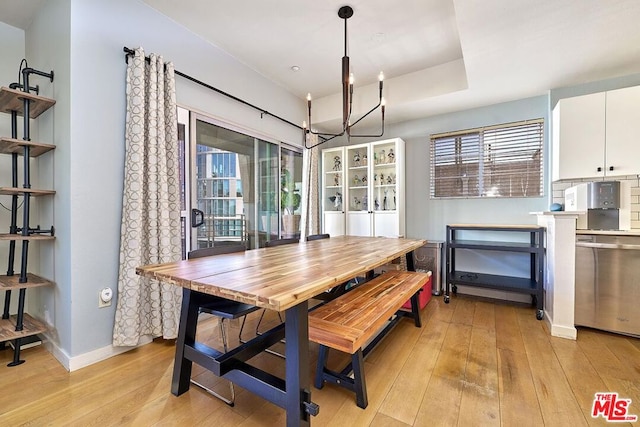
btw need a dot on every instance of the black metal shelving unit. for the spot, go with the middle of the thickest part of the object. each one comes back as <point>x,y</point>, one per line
<point>19,100</point>
<point>532,285</point>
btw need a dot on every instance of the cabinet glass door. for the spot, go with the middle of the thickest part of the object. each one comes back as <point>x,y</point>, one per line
<point>333,191</point>
<point>358,178</point>
<point>384,177</point>
<point>359,204</point>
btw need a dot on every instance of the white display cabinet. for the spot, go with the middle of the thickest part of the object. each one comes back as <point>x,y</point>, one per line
<point>373,177</point>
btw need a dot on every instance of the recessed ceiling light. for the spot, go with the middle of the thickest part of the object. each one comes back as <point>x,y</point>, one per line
<point>295,68</point>
<point>379,37</point>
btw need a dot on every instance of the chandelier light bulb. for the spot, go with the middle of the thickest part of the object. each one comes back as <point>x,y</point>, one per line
<point>351,78</point>
<point>308,97</point>
<point>383,102</point>
<point>381,76</point>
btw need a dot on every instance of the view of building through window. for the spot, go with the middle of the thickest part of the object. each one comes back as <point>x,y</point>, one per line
<point>238,187</point>
<point>498,161</point>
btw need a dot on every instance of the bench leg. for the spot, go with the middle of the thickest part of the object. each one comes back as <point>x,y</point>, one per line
<point>415,309</point>
<point>360,387</point>
<point>323,355</point>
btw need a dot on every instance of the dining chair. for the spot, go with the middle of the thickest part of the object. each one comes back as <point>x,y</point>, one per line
<point>271,244</point>
<point>278,242</point>
<point>317,237</point>
<point>224,309</point>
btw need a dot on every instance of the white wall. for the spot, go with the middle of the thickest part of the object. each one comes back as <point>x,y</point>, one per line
<point>82,40</point>
<point>11,52</point>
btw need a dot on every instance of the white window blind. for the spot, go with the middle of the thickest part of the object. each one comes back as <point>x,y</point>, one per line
<point>498,161</point>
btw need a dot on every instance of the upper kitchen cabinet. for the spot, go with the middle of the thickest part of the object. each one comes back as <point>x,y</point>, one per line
<point>623,132</point>
<point>594,136</point>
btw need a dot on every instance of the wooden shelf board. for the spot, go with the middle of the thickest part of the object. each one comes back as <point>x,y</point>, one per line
<point>12,100</point>
<point>496,227</point>
<point>31,326</point>
<point>494,246</point>
<point>12,282</point>
<point>493,281</point>
<point>7,236</point>
<point>12,145</point>
<point>10,191</point>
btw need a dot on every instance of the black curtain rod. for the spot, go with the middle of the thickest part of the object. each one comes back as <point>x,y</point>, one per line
<point>130,52</point>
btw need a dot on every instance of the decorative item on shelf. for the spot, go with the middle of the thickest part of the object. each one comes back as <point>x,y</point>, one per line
<point>356,203</point>
<point>337,163</point>
<point>336,200</point>
<point>375,178</point>
<point>364,180</point>
<point>384,200</point>
<point>381,178</point>
<point>356,180</point>
<point>376,204</point>
<point>394,199</point>
<point>336,179</point>
<point>383,157</point>
<point>365,203</point>
<point>345,12</point>
<point>389,179</point>
<point>391,156</point>
<point>356,159</point>
<point>365,159</point>
<point>375,158</point>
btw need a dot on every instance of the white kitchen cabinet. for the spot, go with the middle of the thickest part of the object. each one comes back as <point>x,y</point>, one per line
<point>595,135</point>
<point>623,132</point>
<point>373,200</point>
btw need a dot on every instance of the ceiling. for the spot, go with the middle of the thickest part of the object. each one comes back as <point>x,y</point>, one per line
<point>438,56</point>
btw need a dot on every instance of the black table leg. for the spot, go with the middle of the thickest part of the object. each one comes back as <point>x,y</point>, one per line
<point>186,335</point>
<point>298,396</point>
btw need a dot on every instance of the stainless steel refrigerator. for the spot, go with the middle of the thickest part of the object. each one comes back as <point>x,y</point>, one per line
<point>608,283</point>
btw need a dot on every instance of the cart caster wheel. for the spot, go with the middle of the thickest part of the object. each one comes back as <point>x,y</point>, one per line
<point>539,314</point>
<point>446,299</point>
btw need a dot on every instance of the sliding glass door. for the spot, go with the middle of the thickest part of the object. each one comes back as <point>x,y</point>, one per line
<point>234,186</point>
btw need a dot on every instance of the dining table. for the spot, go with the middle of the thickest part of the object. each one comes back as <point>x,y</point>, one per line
<point>281,278</point>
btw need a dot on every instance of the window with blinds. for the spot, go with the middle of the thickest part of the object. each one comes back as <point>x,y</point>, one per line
<point>497,161</point>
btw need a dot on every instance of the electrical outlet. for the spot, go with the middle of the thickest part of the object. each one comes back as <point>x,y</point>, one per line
<point>104,297</point>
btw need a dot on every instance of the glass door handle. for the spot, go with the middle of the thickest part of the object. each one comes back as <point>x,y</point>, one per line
<point>197,218</point>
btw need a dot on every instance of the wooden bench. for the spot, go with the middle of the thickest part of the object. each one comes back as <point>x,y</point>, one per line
<point>355,322</point>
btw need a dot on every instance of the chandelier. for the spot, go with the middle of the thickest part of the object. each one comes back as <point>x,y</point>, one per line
<point>345,13</point>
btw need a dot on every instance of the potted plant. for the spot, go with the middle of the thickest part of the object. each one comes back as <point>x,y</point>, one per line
<point>290,200</point>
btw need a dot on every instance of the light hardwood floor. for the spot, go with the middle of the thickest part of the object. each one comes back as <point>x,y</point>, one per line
<point>473,363</point>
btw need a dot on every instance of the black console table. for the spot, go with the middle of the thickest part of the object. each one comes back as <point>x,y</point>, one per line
<point>533,285</point>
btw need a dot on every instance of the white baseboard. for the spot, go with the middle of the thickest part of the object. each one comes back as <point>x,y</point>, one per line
<point>76,362</point>
<point>569,332</point>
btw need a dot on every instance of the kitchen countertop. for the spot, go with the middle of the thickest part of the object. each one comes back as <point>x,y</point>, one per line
<point>634,232</point>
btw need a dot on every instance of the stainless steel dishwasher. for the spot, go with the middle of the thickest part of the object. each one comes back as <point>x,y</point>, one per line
<point>608,283</point>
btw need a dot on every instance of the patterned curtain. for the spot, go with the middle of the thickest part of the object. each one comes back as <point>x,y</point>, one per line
<point>310,221</point>
<point>150,231</point>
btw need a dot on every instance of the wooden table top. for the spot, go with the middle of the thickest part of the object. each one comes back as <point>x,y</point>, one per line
<point>280,277</point>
